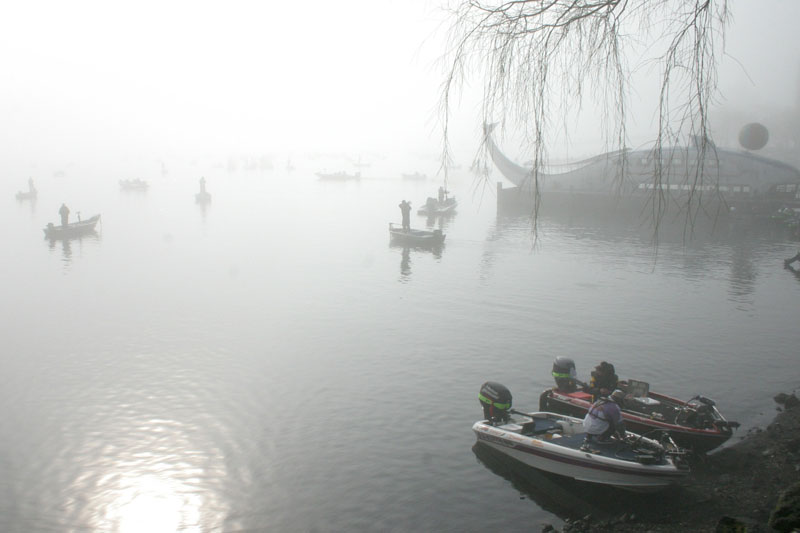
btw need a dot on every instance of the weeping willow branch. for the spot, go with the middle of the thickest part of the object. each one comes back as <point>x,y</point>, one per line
<point>539,58</point>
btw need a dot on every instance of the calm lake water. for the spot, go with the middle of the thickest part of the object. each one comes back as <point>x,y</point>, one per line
<point>270,362</point>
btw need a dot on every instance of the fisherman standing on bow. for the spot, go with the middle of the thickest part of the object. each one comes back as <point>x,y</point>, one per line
<point>405,209</point>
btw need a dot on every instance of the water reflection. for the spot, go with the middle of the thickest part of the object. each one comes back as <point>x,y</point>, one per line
<point>406,252</point>
<point>405,264</point>
<point>793,270</point>
<point>158,483</point>
<point>567,498</point>
<point>67,243</point>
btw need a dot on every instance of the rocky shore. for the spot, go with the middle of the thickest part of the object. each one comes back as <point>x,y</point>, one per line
<point>752,486</point>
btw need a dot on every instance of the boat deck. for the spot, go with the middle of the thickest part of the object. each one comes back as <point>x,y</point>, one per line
<point>549,430</point>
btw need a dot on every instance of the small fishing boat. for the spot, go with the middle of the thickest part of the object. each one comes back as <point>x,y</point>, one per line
<point>555,443</point>
<point>433,207</point>
<point>338,176</point>
<point>133,185</point>
<point>416,176</point>
<point>29,195</point>
<point>696,424</point>
<point>416,237</point>
<point>72,230</point>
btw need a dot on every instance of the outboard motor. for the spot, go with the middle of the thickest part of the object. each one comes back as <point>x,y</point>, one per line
<point>565,374</point>
<point>496,401</point>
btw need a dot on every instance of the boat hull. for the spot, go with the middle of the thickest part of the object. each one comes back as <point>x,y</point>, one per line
<point>416,237</point>
<point>699,440</point>
<point>70,231</point>
<point>542,454</point>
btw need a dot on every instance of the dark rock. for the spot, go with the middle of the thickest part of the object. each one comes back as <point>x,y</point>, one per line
<point>548,527</point>
<point>790,401</point>
<point>729,524</point>
<point>786,514</point>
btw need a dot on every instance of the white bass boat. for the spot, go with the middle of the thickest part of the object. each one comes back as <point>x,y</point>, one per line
<point>555,443</point>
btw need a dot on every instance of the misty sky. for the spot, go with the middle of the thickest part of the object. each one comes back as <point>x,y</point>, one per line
<point>186,78</point>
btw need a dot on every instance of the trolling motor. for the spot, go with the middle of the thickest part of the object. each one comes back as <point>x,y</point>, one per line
<point>496,402</point>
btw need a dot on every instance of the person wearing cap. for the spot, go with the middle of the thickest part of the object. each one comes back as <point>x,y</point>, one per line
<point>603,381</point>
<point>604,419</point>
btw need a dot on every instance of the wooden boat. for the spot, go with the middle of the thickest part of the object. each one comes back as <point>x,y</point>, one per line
<point>417,237</point>
<point>696,424</point>
<point>557,444</point>
<point>75,229</point>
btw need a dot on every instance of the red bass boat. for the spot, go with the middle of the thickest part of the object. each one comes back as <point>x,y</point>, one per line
<point>696,424</point>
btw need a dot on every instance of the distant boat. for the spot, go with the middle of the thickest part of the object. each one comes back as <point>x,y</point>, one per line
<point>416,176</point>
<point>416,237</point>
<point>133,185</point>
<point>30,195</point>
<point>338,176</point>
<point>202,197</point>
<point>434,207</point>
<point>70,231</point>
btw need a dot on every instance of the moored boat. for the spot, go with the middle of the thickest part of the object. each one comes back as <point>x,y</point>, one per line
<point>555,443</point>
<point>72,230</point>
<point>695,424</point>
<point>417,237</point>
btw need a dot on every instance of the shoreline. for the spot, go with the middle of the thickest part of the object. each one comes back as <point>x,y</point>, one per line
<point>735,489</point>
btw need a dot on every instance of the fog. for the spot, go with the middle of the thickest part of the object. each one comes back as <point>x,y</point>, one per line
<point>123,85</point>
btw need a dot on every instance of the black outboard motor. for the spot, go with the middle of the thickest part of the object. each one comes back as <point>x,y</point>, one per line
<point>496,401</point>
<point>565,374</point>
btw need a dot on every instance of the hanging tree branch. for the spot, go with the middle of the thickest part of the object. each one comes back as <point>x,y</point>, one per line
<point>539,57</point>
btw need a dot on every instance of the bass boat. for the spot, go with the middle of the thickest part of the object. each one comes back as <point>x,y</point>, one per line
<point>433,207</point>
<point>418,237</point>
<point>72,230</point>
<point>695,424</point>
<point>555,443</point>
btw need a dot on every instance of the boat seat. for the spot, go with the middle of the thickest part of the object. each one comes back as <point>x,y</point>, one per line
<point>539,426</point>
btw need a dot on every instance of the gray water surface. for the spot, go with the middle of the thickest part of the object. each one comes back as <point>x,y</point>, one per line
<point>271,362</point>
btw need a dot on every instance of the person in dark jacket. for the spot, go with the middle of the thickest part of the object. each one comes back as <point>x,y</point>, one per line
<point>405,209</point>
<point>64,212</point>
<point>603,381</point>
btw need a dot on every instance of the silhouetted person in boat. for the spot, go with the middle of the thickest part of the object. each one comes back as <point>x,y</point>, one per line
<point>203,185</point>
<point>442,194</point>
<point>405,209</point>
<point>31,188</point>
<point>604,419</point>
<point>603,380</point>
<point>64,212</point>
